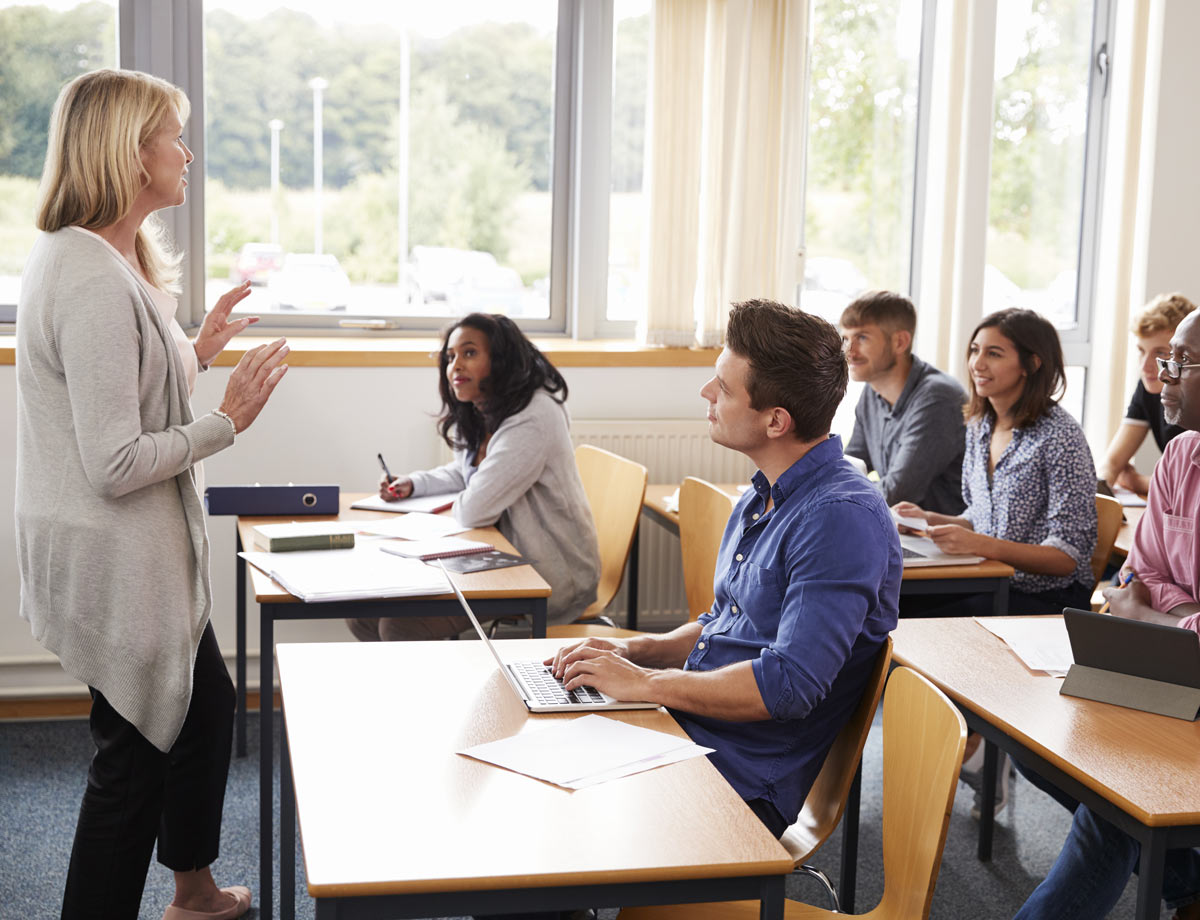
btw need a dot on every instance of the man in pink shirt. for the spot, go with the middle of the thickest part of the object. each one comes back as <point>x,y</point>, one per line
<point>1165,556</point>
<point>1097,858</point>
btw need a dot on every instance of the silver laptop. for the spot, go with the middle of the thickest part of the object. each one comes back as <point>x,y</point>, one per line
<point>536,684</point>
<point>920,551</point>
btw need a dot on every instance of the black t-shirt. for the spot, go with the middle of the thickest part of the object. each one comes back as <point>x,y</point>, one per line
<point>1147,407</point>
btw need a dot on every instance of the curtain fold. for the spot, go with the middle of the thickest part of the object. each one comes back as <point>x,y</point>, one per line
<point>726,161</point>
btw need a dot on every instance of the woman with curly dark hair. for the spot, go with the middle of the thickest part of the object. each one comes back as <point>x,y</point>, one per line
<point>505,418</point>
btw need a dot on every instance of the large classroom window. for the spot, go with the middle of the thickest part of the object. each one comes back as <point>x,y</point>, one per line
<point>41,48</point>
<point>864,75</point>
<point>369,159</point>
<point>395,163</point>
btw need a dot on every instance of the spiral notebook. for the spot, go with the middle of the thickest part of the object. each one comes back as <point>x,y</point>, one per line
<point>440,548</point>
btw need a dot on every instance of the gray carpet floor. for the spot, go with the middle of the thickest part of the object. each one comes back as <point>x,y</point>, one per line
<point>43,769</point>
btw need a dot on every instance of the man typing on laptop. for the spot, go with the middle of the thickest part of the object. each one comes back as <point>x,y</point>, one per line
<point>808,576</point>
<point>1097,859</point>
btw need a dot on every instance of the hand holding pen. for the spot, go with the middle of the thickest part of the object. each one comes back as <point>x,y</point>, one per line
<point>1125,580</point>
<point>393,488</point>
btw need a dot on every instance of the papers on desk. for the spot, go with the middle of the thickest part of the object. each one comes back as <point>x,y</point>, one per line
<point>1040,642</point>
<point>1127,498</point>
<point>415,525</point>
<point>671,502</point>
<point>427,503</point>
<point>365,572</point>
<point>586,751</point>
<point>912,523</point>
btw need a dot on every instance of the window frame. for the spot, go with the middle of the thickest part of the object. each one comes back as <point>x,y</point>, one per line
<point>166,38</point>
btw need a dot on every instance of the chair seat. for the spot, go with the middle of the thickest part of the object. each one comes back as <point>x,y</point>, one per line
<point>589,630</point>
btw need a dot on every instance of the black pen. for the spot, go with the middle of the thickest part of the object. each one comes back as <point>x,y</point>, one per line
<point>386,472</point>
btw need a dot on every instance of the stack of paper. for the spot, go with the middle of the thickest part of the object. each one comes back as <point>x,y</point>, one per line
<point>1040,642</point>
<point>413,526</point>
<point>585,751</point>
<point>355,574</point>
<point>1128,498</point>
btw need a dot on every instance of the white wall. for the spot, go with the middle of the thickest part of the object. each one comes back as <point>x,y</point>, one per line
<point>323,425</point>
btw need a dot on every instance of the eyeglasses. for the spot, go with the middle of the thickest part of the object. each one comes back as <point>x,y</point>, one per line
<point>1172,369</point>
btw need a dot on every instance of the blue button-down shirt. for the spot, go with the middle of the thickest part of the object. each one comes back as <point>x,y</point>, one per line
<point>807,592</point>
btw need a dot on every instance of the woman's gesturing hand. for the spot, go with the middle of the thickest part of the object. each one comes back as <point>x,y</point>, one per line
<point>217,330</point>
<point>252,382</point>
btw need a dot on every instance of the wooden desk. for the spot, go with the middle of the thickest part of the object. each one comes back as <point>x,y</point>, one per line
<point>396,824</point>
<point>987,577</point>
<point>1125,535</point>
<point>1135,769</point>
<point>512,591</point>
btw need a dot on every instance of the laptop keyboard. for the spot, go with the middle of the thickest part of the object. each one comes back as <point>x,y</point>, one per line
<point>548,690</point>
<point>912,553</point>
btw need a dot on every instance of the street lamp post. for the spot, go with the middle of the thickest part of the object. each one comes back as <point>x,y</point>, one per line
<point>318,85</point>
<point>276,126</point>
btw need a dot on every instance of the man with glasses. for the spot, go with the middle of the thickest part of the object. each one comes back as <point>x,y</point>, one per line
<point>1097,859</point>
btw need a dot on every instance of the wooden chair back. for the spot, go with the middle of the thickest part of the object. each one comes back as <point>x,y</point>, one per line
<point>923,740</point>
<point>703,513</point>
<point>615,489</point>
<point>826,799</point>
<point>1108,521</point>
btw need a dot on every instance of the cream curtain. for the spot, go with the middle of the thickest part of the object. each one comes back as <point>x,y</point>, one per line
<point>725,161</point>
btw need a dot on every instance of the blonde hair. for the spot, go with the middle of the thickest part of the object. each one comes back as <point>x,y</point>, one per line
<point>93,168</point>
<point>1162,314</point>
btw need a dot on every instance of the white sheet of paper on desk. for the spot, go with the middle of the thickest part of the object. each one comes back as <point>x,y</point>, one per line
<point>349,574</point>
<point>1040,642</point>
<point>1127,498</point>
<point>413,526</point>
<point>404,505</point>
<point>581,751</point>
<point>661,760</point>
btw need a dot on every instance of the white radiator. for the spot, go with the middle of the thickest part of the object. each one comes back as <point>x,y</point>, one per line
<point>670,449</point>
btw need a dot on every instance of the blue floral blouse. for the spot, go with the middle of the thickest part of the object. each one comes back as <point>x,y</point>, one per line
<point>1043,492</point>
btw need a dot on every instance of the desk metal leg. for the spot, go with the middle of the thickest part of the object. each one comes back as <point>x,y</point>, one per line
<point>1150,876</point>
<point>987,806</point>
<point>287,829</point>
<point>266,762</point>
<point>539,618</point>
<point>1000,600</point>
<point>848,877</point>
<point>240,566</point>
<point>631,614</point>
<point>770,906</point>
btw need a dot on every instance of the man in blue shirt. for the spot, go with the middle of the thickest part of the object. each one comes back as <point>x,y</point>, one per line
<point>807,579</point>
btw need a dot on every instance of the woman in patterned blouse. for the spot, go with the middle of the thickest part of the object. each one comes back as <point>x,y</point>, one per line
<point>1028,478</point>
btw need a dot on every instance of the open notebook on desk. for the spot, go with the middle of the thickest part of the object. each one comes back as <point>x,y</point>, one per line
<point>361,573</point>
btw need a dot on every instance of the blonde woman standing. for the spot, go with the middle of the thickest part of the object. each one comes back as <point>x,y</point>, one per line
<point>112,550</point>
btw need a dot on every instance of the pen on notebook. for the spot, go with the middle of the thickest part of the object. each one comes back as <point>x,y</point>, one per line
<point>1124,583</point>
<point>386,471</point>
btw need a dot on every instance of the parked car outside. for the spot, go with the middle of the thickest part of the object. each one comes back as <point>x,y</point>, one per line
<point>255,262</point>
<point>309,282</point>
<point>467,280</point>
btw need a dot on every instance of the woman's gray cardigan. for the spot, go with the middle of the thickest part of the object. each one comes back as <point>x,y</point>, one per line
<point>111,544</point>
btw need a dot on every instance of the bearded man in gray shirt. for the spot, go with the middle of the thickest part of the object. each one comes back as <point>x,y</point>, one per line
<point>908,425</point>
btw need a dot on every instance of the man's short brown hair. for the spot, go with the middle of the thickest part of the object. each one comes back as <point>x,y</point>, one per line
<point>888,310</point>
<point>1162,314</point>
<point>796,363</point>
